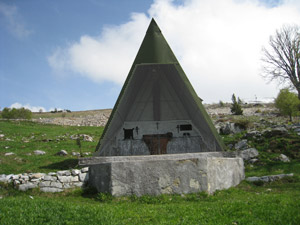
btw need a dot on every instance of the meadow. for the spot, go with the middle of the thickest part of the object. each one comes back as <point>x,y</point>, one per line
<point>260,203</point>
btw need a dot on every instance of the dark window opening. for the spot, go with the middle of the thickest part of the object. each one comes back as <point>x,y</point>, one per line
<point>185,127</point>
<point>128,133</point>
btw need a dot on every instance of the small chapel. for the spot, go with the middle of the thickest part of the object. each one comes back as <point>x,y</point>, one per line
<point>157,111</point>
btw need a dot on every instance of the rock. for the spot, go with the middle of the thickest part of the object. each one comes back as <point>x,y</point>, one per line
<point>52,174</point>
<point>86,153</point>
<point>36,175</point>
<point>45,184</point>
<point>2,135</point>
<point>283,158</point>
<point>9,153</point>
<point>78,184</point>
<point>56,185</point>
<point>39,152</point>
<point>84,170</point>
<point>65,179</point>
<point>277,131</point>
<point>75,172</point>
<point>75,153</point>
<point>241,145</point>
<point>269,178</point>
<point>62,153</point>
<point>64,173</point>
<point>253,133</point>
<point>248,153</point>
<point>50,178</point>
<point>230,128</point>
<point>87,138</point>
<point>25,187</point>
<point>252,161</point>
<point>83,177</point>
<point>51,189</point>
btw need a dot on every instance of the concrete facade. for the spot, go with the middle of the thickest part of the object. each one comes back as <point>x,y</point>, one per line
<point>164,174</point>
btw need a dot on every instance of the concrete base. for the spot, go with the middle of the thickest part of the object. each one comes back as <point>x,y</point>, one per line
<point>164,174</point>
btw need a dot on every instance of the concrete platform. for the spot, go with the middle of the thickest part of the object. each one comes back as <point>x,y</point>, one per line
<point>164,174</point>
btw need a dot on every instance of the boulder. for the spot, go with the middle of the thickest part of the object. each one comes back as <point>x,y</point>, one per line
<point>247,154</point>
<point>230,128</point>
<point>241,145</point>
<point>283,158</point>
<point>39,152</point>
<point>62,153</point>
<point>9,154</point>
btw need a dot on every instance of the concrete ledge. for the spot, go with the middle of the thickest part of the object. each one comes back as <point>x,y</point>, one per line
<point>165,174</point>
<point>88,161</point>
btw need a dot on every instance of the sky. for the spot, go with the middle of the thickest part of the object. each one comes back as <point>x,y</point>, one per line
<point>76,54</point>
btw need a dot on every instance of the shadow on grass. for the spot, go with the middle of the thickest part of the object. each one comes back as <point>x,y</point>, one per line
<point>63,165</point>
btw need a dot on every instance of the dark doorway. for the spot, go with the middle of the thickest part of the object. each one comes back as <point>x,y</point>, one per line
<point>157,143</point>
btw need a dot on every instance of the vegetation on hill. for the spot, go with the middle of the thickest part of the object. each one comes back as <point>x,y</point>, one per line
<point>277,202</point>
<point>22,113</point>
<point>23,137</point>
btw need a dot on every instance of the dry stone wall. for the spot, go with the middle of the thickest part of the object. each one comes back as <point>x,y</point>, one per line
<point>51,182</point>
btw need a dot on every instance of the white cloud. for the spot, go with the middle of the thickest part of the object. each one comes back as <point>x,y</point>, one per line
<point>18,105</point>
<point>14,21</point>
<point>218,44</point>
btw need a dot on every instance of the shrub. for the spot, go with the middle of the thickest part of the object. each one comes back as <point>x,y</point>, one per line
<point>236,108</point>
<point>287,103</point>
<point>14,113</point>
<point>221,104</point>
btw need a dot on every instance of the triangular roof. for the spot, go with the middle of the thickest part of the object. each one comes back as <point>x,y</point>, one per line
<point>155,50</point>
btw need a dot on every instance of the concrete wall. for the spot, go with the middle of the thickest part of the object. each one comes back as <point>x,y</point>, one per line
<point>165,174</point>
<point>181,141</point>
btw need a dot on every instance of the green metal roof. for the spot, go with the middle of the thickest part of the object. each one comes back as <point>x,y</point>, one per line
<point>155,50</point>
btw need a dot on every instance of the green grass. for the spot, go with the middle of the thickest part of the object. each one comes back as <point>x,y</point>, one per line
<point>22,138</point>
<point>262,203</point>
<point>276,203</point>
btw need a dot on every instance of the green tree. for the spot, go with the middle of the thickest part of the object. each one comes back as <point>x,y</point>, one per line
<point>236,108</point>
<point>288,103</point>
<point>14,113</point>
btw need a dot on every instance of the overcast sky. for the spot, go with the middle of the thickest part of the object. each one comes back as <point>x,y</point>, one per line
<point>76,54</point>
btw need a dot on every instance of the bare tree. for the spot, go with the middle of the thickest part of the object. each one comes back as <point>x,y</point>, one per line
<point>282,58</point>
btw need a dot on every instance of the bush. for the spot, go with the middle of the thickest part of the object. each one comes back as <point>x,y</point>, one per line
<point>14,113</point>
<point>287,103</point>
<point>236,108</point>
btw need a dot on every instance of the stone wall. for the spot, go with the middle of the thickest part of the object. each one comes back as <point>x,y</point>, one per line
<point>164,174</point>
<point>51,182</point>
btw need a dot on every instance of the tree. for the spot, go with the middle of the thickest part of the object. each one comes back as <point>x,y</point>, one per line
<point>281,61</point>
<point>236,107</point>
<point>288,103</point>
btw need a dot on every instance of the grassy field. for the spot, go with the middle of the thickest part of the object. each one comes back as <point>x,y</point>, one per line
<point>271,203</point>
<point>22,138</point>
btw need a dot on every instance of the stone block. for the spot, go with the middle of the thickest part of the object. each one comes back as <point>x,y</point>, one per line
<point>50,178</point>
<point>45,184</point>
<point>75,172</point>
<point>51,189</point>
<point>84,170</point>
<point>65,179</point>
<point>165,174</point>
<point>83,177</point>
<point>25,187</point>
<point>78,184</point>
<point>64,173</point>
<point>56,185</point>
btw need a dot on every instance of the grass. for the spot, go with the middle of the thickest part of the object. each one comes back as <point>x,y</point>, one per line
<point>262,203</point>
<point>275,203</point>
<point>22,138</point>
